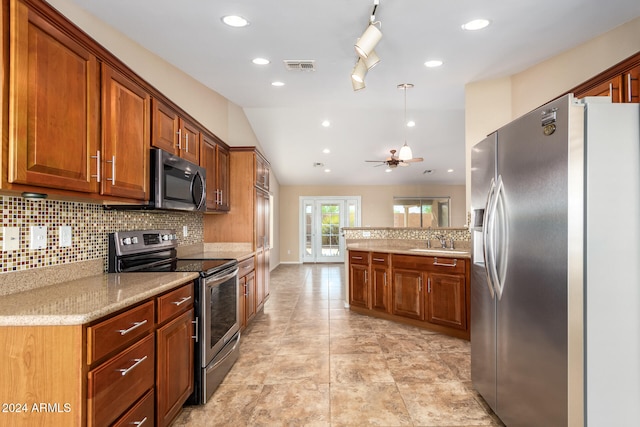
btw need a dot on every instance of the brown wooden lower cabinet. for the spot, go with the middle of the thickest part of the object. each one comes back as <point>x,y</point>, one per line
<point>425,291</point>
<point>77,376</point>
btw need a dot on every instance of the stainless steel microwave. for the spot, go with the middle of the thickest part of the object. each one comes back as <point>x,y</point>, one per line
<point>176,184</point>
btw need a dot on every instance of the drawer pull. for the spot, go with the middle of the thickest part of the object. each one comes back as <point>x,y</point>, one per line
<point>379,259</point>
<point>135,325</point>
<point>356,257</point>
<point>139,423</point>
<point>124,372</point>
<point>435,262</point>
<point>182,301</point>
<point>247,267</point>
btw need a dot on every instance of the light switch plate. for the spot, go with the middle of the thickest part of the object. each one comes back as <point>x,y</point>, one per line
<point>10,238</point>
<point>185,231</point>
<point>38,237</point>
<point>64,235</point>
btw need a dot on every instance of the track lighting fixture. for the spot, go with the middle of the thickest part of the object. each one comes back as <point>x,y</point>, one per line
<point>364,46</point>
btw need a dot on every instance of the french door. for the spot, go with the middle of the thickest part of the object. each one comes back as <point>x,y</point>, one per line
<point>321,221</point>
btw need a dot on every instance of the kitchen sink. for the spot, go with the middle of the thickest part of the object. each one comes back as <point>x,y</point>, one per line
<point>440,251</point>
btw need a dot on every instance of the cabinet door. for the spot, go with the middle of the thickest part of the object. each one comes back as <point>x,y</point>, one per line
<point>447,300</point>
<point>407,293</point>
<point>222,178</point>
<point>125,121</point>
<point>208,161</point>
<point>380,288</point>
<point>189,144</point>
<point>54,103</point>
<point>611,88</point>
<point>249,289</point>
<point>165,125</point>
<point>262,172</point>
<point>260,277</point>
<point>631,86</point>
<point>358,285</point>
<point>174,375</point>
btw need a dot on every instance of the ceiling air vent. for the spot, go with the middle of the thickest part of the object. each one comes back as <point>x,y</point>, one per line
<point>300,65</point>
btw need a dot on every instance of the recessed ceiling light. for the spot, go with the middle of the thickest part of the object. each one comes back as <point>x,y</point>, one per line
<point>326,123</point>
<point>327,170</point>
<point>449,170</point>
<point>433,63</point>
<point>235,21</point>
<point>277,84</point>
<point>260,61</point>
<point>411,124</point>
<point>388,170</point>
<point>476,24</point>
<point>326,151</point>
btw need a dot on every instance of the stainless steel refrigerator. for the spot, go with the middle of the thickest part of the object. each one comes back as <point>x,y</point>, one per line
<point>555,286</point>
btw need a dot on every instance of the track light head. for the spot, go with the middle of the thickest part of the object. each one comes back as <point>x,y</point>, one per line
<point>368,41</point>
<point>359,71</point>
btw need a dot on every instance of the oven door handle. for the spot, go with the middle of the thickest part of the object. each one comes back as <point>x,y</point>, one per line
<point>220,279</point>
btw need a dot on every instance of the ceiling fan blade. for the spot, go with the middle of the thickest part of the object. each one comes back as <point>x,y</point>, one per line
<point>376,161</point>
<point>414,160</point>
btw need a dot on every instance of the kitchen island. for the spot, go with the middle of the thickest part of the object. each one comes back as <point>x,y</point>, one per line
<point>405,281</point>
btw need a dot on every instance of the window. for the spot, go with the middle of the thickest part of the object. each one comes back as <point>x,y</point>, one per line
<point>421,212</point>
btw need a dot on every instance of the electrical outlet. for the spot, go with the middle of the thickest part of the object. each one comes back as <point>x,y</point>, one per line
<point>38,236</point>
<point>366,234</point>
<point>185,231</point>
<point>10,238</point>
<point>64,236</point>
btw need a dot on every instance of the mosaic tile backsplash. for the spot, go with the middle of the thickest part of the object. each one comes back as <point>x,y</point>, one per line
<point>90,224</point>
<point>457,234</point>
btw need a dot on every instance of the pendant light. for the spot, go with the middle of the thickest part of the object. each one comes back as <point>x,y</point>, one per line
<point>405,152</point>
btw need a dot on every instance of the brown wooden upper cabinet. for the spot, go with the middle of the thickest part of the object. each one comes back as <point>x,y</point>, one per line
<point>262,172</point>
<point>214,157</point>
<point>173,133</point>
<point>620,82</point>
<point>125,128</point>
<point>54,98</point>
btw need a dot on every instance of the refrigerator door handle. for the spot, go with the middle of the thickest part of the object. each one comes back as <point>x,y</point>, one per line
<point>498,266</point>
<point>486,218</point>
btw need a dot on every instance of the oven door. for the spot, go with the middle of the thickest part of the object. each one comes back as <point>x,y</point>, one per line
<point>220,312</point>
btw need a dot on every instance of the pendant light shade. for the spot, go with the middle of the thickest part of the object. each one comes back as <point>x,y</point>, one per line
<point>368,41</point>
<point>405,152</point>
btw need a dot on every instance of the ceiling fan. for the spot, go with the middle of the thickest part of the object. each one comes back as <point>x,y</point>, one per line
<point>393,161</point>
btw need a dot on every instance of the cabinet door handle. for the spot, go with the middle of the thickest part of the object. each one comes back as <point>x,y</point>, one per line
<point>182,301</point>
<point>195,336</point>
<point>135,326</point>
<point>179,139</point>
<point>419,284</point>
<point>97,157</point>
<point>124,372</point>
<point>113,170</point>
<point>186,142</point>
<point>429,285</point>
<point>220,196</point>
<point>629,87</point>
<point>139,423</point>
<point>435,262</point>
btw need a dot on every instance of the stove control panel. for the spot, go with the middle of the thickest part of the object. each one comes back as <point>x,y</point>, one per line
<point>140,241</point>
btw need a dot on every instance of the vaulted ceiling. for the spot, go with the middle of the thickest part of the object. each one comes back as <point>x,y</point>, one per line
<point>364,124</point>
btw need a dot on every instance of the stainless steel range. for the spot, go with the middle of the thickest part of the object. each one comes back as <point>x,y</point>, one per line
<point>217,322</point>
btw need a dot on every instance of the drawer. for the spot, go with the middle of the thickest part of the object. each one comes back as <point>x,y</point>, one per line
<point>142,414</point>
<point>119,382</point>
<point>245,267</point>
<point>379,258</point>
<point>446,265</point>
<point>175,302</point>
<point>359,257</point>
<point>119,331</point>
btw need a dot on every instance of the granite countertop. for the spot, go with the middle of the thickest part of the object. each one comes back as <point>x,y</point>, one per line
<point>240,255</point>
<point>409,247</point>
<point>84,300</point>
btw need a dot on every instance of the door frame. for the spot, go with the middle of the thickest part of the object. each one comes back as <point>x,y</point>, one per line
<point>346,202</point>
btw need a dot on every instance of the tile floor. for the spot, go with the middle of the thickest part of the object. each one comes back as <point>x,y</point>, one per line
<point>308,361</point>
